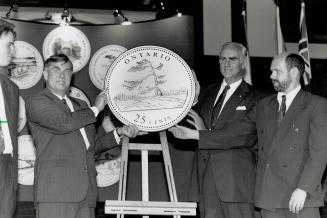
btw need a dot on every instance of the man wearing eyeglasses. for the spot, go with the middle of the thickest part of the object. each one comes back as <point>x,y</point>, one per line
<point>226,176</point>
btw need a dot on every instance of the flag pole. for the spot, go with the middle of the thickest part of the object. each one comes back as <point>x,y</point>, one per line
<point>247,75</point>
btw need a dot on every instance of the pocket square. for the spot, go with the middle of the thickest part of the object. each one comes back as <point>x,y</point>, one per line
<point>241,108</point>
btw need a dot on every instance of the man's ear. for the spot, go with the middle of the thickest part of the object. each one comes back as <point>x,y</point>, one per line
<point>45,74</point>
<point>294,72</point>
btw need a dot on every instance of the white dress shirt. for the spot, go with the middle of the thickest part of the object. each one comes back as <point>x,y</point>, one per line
<point>289,96</point>
<point>233,86</point>
<point>4,124</point>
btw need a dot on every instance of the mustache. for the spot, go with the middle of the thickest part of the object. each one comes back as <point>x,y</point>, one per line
<point>273,80</point>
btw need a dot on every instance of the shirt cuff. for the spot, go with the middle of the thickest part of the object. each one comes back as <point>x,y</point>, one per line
<point>117,137</point>
<point>95,110</point>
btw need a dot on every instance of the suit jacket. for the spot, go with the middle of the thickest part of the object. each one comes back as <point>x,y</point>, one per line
<point>290,156</point>
<point>11,100</point>
<point>64,168</point>
<point>234,169</point>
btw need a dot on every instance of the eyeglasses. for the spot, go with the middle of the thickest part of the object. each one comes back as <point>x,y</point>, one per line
<point>232,60</point>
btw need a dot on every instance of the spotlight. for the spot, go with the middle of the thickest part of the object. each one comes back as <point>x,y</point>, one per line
<point>13,8</point>
<point>66,17</point>
<point>165,9</point>
<point>119,16</point>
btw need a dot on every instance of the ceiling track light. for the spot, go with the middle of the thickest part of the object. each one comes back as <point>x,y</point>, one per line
<point>123,19</point>
<point>13,8</point>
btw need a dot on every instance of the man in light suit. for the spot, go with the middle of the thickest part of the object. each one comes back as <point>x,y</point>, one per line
<point>9,99</point>
<point>64,135</point>
<point>292,143</point>
<point>226,176</point>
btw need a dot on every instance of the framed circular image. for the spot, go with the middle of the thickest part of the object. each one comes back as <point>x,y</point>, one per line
<point>26,160</point>
<point>108,172</point>
<point>21,114</point>
<point>151,87</point>
<point>79,94</point>
<point>27,65</point>
<point>70,41</point>
<point>101,61</point>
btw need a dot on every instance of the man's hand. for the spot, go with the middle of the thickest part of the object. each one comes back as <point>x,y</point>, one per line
<point>297,200</point>
<point>107,124</point>
<point>130,131</point>
<point>182,132</point>
<point>197,121</point>
<point>101,101</point>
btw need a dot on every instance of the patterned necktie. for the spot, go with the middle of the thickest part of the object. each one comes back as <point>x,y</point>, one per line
<point>282,110</point>
<point>217,108</point>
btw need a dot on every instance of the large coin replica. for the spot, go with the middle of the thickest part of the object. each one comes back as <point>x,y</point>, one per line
<point>108,172</point>
<point>150,87</point>
<point>101,61</point>
<point>27,65</point>
<point>70,41</point>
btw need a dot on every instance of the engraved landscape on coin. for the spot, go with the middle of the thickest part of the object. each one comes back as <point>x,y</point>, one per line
<point>148,93</point>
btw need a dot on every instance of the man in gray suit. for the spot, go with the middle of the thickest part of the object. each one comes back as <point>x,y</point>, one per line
<point>64,135</point>
<point>9,98</point>
<point>226,176</point>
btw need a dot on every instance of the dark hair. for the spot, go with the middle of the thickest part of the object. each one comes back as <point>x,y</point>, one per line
<point>55,59</point>
<point>6,27</point>
<point>295,60</point>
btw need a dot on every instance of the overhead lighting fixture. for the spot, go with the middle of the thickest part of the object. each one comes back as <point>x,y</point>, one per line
<point>66,17</point>
<point>120,17</point>
<point>165,9</point>
<point>13,8</point>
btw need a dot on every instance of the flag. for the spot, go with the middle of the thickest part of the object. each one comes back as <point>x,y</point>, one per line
<point>281,47</point>
<point>304,46</point>
<point>247,75</point>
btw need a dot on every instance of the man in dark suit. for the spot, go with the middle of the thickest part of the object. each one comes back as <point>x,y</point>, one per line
<point>226,176</point>
<point>9,98</point>
<point>291,128</point>
<point>64,135</point>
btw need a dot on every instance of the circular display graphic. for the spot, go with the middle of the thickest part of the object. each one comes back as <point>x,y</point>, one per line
<point>77,93</point>
<point>26,160</point>
<point>27,65</point>
<point>70,41</point>
<point>101,61</point>
<point>21,114</point>
<point>150,87</point>
<point>108,172</point>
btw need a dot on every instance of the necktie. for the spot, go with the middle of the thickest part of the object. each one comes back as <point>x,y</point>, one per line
<point>65,103</point>
<point>282,110</point>
<point>217,108</point>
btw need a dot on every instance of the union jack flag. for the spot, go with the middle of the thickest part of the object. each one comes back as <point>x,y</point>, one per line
<point>304,46</point>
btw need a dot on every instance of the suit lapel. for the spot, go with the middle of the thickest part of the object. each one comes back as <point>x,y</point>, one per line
<point>230,106</point>
<point>208,104</point>
<point>11,106</point>
<point>77,106</point>
<point>270,119</point>
<point>55,99</point>
<point>291,115</point>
